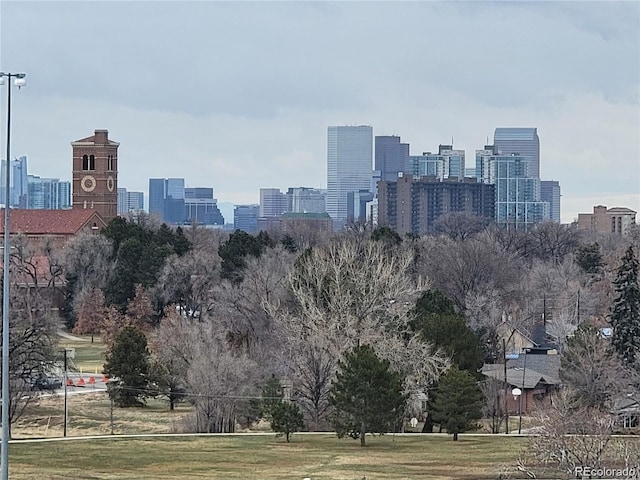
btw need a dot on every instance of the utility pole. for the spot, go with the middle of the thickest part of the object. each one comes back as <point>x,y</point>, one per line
<point>506,385</point>
<point>64,428</point>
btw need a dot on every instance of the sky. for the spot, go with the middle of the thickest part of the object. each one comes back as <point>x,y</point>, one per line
<point>238,95</point>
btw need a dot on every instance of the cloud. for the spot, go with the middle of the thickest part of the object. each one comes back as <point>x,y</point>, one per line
<point>238,95</point>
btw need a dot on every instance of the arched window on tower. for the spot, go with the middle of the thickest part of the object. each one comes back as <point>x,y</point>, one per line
<point>85,162</point>
<point>92,162</point>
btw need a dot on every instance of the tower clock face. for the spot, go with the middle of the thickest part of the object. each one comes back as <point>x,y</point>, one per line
<point>110,183</point>
<point>88,183</point>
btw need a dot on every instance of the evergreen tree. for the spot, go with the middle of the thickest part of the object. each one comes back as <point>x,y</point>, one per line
<point>272,395</point>
<point>589,258</point>
<point>625,313</point>
<point>128,366</point>
<point>437,321</point>
<point>366,395</point>
<point>234,251</point>
<point>457,402</point>
<point>286,418</point>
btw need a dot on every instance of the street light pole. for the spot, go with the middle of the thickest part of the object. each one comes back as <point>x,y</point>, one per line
<point>20,81</point>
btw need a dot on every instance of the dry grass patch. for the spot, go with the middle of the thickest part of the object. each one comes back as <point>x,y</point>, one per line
<point>265,457</point>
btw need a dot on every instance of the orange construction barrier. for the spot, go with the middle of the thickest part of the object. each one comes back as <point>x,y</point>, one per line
<point>80,381</point>
<point>105,378</point>
<point>69,382</point>
<point>92,380</point>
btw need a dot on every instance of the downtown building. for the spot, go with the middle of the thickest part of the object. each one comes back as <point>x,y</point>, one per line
<point>245,218</point>
<point>523,142</point>
<point>47,194</point>
<point>130,202</point>
<point>273,202</point>
<point>349,167</point>
<point>447,163</point>
<point>166,200</point>
<point>413,204</point>
<point>201,207</point>
<point>306,200</point>
<point>391,157</point>
<point>518,202</point>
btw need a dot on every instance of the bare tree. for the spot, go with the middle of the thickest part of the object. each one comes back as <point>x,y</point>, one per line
<point>90,312</point>
<point>217,380</point>
<point>188,280</point>
<point>354,292</point>
<point>493,409</point>
<point>593,370</point>
<point>460,225</point>
<point>571,436</point>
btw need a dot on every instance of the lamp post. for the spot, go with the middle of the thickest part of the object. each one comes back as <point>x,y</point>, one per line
<point>517,394</point>
<point>20,81</point>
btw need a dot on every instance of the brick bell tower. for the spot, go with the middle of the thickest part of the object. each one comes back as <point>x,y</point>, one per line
<point>95,174</point>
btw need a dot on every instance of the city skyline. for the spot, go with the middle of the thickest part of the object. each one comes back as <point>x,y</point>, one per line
<point>251,113</point>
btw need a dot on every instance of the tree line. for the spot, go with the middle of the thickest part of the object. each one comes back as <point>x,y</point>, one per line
<point>211,318</point>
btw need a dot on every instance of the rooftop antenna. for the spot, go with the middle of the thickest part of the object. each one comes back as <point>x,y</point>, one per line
<point>451,141</point>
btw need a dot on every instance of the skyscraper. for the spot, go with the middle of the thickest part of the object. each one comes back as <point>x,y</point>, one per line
<point>446,163</point>
<point>520,141</point>
<point>129,202</point>
<point>391,157</point>
<point>306,200</point>
<point>201,207</point>
<point>349,166</point>
<point>273,202</point>
<point>166,199</point>
<point>245,218</point>
<point>19,183</point>
<point>550,192</point>
<point>47,194</point>
<point>518,202</point>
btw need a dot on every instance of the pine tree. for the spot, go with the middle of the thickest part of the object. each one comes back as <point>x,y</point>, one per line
<point>128,366</point>
<point>625,313</point>
<point>366,394</point>
<point>458,402</point>
<point>286,418</point>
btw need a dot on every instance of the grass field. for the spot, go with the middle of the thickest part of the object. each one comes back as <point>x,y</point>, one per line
<point>266,457</point>
<point>88,357</point>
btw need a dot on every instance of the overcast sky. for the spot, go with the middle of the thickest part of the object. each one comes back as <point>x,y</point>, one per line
<point>238,95</point>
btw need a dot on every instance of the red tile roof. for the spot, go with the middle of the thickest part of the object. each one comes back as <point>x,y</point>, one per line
<point>50,222</point>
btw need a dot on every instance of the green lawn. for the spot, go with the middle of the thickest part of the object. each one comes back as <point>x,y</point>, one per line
<point>267,457</point>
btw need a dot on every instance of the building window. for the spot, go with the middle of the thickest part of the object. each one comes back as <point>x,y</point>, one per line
<point>92,162</point>
<point>85,162</point>
<point>110,163</point>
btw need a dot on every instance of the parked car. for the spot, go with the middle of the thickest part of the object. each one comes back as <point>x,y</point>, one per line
<point>47,382</point>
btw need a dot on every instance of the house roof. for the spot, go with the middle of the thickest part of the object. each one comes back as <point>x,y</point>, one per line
<point>51,222</point>
<point>538,369</point>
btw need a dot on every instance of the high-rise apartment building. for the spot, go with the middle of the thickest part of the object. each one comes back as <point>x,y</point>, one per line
<point>95,174</point>
<point>550,192</point>
<point>391,157</point>
<point>201,207</point>
<point>273,202</point>
<point>413,204</point>
<point>245,218</point>
<point>306,200</point>
<point>47,194</point>
<point>520,141</point>
<point>447,163</point>
<point>517,195</point>
<point>349,166</point>
<point>166,199</point>
<point>130,202</point>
